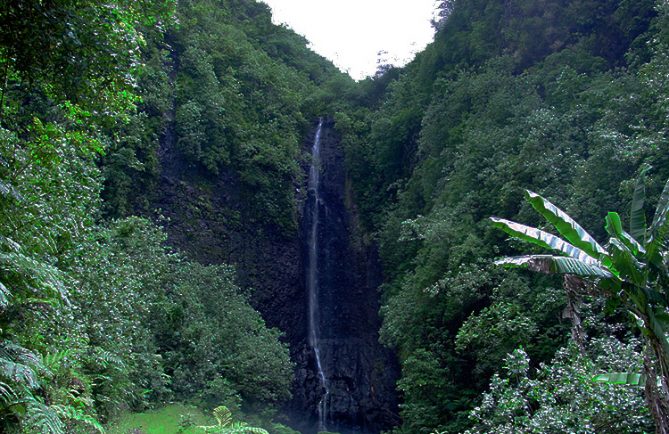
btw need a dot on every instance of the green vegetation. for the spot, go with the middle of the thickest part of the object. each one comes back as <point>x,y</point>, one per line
<point>226,425</point>
<point>100,318</point>
<point>175,418</point>
<point>186,419</point>
<point>561,97</point>
<point>226,94</point>
<point>628,272</point>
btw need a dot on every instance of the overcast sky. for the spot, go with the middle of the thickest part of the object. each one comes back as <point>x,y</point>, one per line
<point>352,32</point>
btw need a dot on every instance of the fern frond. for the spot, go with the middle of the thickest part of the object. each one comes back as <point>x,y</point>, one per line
<point>242,428</point>
<point>18,364</point>
<point>5,294</point>
<point>41,419</point>
<point>68,412</point>
<point>7,393</point>
<point>223,416</point>
<point>52,361</point>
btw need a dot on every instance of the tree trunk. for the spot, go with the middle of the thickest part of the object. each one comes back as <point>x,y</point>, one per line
<point>657,388</point>
<point>572,311</point>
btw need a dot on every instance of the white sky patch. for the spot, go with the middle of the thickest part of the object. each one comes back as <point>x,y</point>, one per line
<point>352,32</point>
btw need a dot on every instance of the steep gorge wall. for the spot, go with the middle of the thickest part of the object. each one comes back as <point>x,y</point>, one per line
<point>205,219</point>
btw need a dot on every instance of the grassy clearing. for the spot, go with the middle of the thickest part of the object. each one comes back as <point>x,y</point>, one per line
<point>163,421</point>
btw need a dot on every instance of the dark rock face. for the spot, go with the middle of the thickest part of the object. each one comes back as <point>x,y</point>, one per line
<point>205,219</point>
<point>361,373</point>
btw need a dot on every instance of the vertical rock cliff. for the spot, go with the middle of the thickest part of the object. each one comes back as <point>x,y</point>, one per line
<point>357,393</point>
<point>204,220</point>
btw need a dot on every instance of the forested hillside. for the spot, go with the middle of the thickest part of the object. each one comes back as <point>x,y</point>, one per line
<point>98,314</point>
<point>565,98</point>
<point>158,228</point>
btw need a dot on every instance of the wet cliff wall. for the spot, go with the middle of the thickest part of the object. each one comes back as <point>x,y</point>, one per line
<point>205,217</point>
<point>360,372</point>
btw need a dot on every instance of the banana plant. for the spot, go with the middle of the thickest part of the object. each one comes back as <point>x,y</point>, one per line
<point>631,269</point>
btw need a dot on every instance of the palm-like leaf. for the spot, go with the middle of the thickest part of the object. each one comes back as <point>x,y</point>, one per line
<point>225,424</point>
<point>241,428</point>
<point>41,275</point>
<point>543,239</point>
<point>7,190</point>
<point>18,365</point>
<point>18,373</point>
<point>622,378</point>
<point>657,233</point>
<point>565,225</point>
<point>68,412</point>
<point>550,264</point>
<point>637,214</point>
<point>626,263</point>
<point>614,227</point>
<point>6,393</point>
<point>9,245</point>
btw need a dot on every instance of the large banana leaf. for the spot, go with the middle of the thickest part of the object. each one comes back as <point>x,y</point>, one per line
<point>626,264</point>
<point>662,208</point>
<point>550,264</point>
<point>614,227</point>
<point>543,239</point>
<point>657,234</point>
<point>658,326</point>
<point>637,214</point>
<point>565,225</point>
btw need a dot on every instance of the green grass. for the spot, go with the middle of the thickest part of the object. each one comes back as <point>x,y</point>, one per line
<point>163,421</point>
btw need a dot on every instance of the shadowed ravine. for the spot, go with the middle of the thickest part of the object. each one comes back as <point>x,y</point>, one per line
<point>331,305</point>
<point>345,378</point>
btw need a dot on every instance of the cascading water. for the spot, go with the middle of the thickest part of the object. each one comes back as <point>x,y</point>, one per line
<point>342,371</point>
<point>312,273</point>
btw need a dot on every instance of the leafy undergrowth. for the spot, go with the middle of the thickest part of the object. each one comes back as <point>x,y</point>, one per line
<point>167,420</point>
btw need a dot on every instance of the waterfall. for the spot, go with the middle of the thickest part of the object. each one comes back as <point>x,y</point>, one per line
<point>312,272</point>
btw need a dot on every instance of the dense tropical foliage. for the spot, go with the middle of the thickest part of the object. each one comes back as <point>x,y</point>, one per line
<point>566,98</point>
<point>628,272</point>
<point>101,102</point>
<point>97,314</point>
